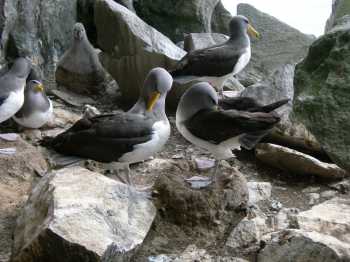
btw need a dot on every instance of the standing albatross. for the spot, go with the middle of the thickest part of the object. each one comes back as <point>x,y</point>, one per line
<point>217,63</point>
<point>203,123</point>
<point>124,137</point>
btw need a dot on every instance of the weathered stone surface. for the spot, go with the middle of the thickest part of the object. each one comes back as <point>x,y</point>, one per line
<point>176,18</point>
<point>76,215</point>
<point>16,175</point>
<point>195,41</point>
<point>279,44</point>
<point>131,47</point>
<point>301,246</point>
<point>297,163</point>
<point>79,69</point>
<point>331,217</point>
<point>259,191</point>
<point>221,19</point>
<point>322,83</point>
<point>188,207</point>
<point>36,28</point>
<point>340,8</point>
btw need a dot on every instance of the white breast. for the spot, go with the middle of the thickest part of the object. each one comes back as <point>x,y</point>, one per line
<point>220,151</point>
<point>12,104</point>
<point>36,119</point>
<point>242,61</point>
<point>161,133</point>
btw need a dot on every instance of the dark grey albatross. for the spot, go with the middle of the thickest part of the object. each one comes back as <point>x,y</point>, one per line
<point>124,137</point>
<point>217,63</point>
<point>203,123</point>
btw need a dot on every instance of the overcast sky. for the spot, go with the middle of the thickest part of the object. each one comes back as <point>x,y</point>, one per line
<point>308,16</point>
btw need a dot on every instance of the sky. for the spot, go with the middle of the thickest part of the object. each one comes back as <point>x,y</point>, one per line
<point>308,16</point>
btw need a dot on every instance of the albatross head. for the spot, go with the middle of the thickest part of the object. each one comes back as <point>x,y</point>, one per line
<point>200,96</point>
<point>240,25</point>
<point>79,32</point>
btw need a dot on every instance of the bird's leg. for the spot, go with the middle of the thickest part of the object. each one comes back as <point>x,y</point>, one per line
<point>144,192</point>
<point>214,175</point>
<point>114,168</point>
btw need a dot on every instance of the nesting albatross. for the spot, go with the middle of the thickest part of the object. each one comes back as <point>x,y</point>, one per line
<point>217,63</point>
<point>203,123</point>
<point>124,137</point>
<point>37,108</point>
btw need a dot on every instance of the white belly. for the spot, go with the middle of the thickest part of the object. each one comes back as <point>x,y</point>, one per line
<point>220,151</point>
<point>12,104</point>
<point>143,151</point>
<point>36,119</point>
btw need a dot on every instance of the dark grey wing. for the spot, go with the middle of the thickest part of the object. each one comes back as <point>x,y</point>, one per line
<point>8,84</point>
<point>249,104</point>
<point>104,138</point>
<point>214,61</point>
<point>219,125</point>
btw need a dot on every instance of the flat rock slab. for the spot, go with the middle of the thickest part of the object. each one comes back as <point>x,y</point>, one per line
<point>302,246</point>
<point>296,162</point>
<point>331,217</point>
<point>76,215</point>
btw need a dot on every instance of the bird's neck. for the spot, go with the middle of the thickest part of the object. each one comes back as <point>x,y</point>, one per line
<point>239,37</point>
<point>157,112</point>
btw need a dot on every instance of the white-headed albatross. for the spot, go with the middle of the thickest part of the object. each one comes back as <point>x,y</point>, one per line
<point>217,63</point>
<point>37,108</point>
<point>124,137</point>
<point>202,122</point>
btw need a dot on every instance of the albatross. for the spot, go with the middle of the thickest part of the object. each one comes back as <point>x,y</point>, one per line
<point>217,63</point>
<point>203,123</point>
<point>122,138</point>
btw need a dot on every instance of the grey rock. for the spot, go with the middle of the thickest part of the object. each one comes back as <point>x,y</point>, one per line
<point>76,215</point>
<point>130,47</point>
<point>36,28</point>
<point>176,18</point>
<point>322,81</point>
<point>330,217</point>
<point>328,194</point>
<point>221,19</point>
<point>259,191</point>
<point>279,44</point>
<point>314,198</point>
<point>296,162</point>
<point>303,246</point>
<point>195,41</point>
<point>340,8</point>
<point>79,69</point>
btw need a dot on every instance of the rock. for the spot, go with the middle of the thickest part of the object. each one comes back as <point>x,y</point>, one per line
<point>313,198</point>
<point>174,20</point>
<point>76,215</point>
<point>208,210</point>
<point>63,117</point>
<point>203,164</point>
<point>279,44</point>
<point>328,194</point>
<point>297,163</point>
<point>221,19</point>
<point>259,191</point>
<point>71,98</point>
<point>43,36</point>
<point>340,8</point>
<point>17,173</point>
<point>195,41</point>
<point>322,81</point>
<point>135,50</point>
<point>275,205</point>
<point>311,190</point>
<point>79,69</point>
<point>284,219</point>
<point>331,218</point>
<point>302,246</point>
<point>343,186</point>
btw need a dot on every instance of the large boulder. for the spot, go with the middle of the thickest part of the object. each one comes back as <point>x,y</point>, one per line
<point>131,48</point>
<point>76,215</point>
<point>279,44</point>
<point>176,18</point>
<point>18,172</point>
<point>221,19</point>
<point>322,97</point>
<point>36,28</point>
<point>304,246</point>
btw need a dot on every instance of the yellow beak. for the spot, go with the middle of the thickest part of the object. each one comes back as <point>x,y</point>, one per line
<point>39,88</point>
<point>152,101</point>
<point>253,32</point>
